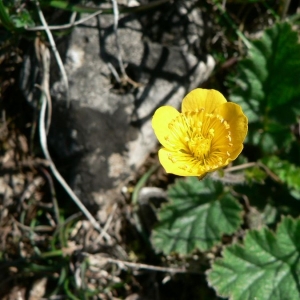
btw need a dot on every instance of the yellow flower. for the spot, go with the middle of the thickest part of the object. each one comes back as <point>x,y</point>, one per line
<point>207,135</point>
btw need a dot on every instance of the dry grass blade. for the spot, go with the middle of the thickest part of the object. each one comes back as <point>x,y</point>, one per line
<point>65,26</point>
<point>54,49</point>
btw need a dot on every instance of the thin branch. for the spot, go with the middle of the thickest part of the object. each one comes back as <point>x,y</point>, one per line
<point>66,221</point>
<point>254,164</point>
<point>27,163</point>
<point>116,23</point>
<point>240,167</point>
<point>54,49</point>
<point>38,228</point>
<point>107,224</point>
<point>224,4</point>
<point>114,72</point>
<point>45,67</point>
<point>286,4</point>
<point>73,17</point>
<point>53,195</point>
<point>125,78</point>
<point>31,188</point>
<point>66,26</point>
<point>140,266</point>
<point>228,178</point>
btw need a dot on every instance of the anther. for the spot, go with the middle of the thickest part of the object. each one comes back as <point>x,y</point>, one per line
<point>227,126</point>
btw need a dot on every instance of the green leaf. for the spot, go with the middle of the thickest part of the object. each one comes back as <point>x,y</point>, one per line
<point>267,267</point>
<point>5,18</point>
<point>255,175</point>
<point>287,172</point>
<point>268,81</point>
<point>271,141</point>
<point>198,214</point>
<point>22,19</point>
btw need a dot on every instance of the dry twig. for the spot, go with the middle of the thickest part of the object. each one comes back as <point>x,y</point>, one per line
<point>72,23</point>
<point>116,23</point>
<point>107,224</point>
<point>54,49</point>
<point>100,261</point>
<point>254,164</point>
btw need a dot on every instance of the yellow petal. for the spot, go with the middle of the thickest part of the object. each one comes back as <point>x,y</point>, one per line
<point>230,131</point>
<point>160,121</point>
<point>236,152</point>
<point>237,121</point>
<point>200,99</point>
<point>175,166</point>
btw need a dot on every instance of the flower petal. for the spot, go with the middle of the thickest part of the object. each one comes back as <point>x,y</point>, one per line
<point>160,121</point>
<point>172,166</point>
<point>236,152</point>
<point>238,122</point>
<point>200,99</point>
<point>230,131</point>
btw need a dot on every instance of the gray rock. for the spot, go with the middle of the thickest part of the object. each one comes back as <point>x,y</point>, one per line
<point>106,135</point>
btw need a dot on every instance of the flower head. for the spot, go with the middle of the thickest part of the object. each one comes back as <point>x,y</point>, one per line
<point>207,135</point>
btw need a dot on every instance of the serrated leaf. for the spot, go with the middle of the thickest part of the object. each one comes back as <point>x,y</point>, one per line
<point>268,81</point>
<point>287,172</point>
<point>198,214</point>
<point>267,267</point>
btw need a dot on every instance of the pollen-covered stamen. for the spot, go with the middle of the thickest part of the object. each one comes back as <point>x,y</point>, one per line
<point>178,128</point>
<point>200,147</point>
<point>221,146</point>
<point>198,142</point>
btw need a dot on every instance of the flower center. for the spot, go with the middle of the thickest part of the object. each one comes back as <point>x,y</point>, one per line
<point>188,135</point>
<point>200,147</point>
<point>191,135</point>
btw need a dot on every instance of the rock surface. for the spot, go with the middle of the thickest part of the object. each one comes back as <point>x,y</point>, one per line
<point>105,134</point>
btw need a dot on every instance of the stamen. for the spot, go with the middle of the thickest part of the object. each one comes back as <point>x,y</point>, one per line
<point>227,126</point>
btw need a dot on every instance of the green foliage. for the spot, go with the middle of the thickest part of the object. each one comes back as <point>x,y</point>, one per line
<point>288,173</point>
<point>266,267</point>
<point>16,15</point>
<point>5,18</point>
<point>22,19</point>
<point>267,75</point>
<point>267,87</point>
<point>255,174</point>
<point>198,214</point>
